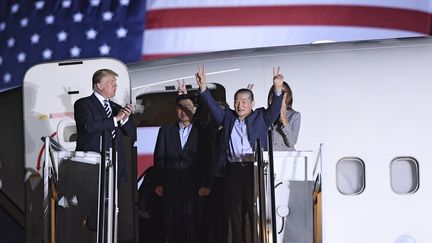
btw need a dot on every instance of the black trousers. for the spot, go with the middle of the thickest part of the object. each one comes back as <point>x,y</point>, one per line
<point>215,214</point>
<point>240,186</point>
<point>182,207</point>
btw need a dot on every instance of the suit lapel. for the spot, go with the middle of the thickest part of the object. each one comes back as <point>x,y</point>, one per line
<point>98,105</point>
<point>115,107</point>
<point>175,137</point>
<point>231,121</point>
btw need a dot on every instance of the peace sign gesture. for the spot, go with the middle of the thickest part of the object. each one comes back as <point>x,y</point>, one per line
<point>181,87</point>
<point>278,79</point>
<point>201,78</point>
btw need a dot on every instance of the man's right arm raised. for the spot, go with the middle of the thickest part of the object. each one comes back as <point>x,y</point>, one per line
<point>217,112</point>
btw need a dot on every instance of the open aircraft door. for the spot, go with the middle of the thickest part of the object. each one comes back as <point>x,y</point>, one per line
<point>73,196</point>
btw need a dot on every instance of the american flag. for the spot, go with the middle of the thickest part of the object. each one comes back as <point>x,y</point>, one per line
<point>38,31</point>
<point>191,26</point>
<point>131,30</point>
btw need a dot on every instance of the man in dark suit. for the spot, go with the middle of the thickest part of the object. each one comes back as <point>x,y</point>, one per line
<point>97,113</point>
<point>183,173</point>
<point>241,128</point>
<point>92,119</point>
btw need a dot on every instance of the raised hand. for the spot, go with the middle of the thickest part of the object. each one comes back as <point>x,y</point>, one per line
<point>250,86</point>
<point>181,87</point>
<point>278,79</point>
<point>201,78</point>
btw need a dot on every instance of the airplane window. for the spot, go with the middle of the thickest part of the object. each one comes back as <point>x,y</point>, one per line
<point>158,107</point>
<point>404,175</point>
<point>405,239</point>
<point>350,176</point>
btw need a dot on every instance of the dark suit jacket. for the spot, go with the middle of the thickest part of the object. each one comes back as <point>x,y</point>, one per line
<point>257,122</point>
<point>91,119</point>
<point>170,158</point>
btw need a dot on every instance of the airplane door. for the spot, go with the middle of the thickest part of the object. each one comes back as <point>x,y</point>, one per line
<point>49,93</point>
<point>50,90</point>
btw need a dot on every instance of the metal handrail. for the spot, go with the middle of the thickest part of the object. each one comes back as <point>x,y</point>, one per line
<point>272,185</point>
<point>318,159</point>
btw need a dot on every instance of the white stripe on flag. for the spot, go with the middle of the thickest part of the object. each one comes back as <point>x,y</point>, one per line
<point>206,39</point>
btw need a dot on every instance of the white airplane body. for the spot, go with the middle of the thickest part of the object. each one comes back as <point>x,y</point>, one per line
<point>365,127</point>
<point>368,101</point>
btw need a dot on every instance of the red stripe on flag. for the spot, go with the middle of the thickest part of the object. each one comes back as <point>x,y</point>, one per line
<point>143,163</point>
<point>334,15</point>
